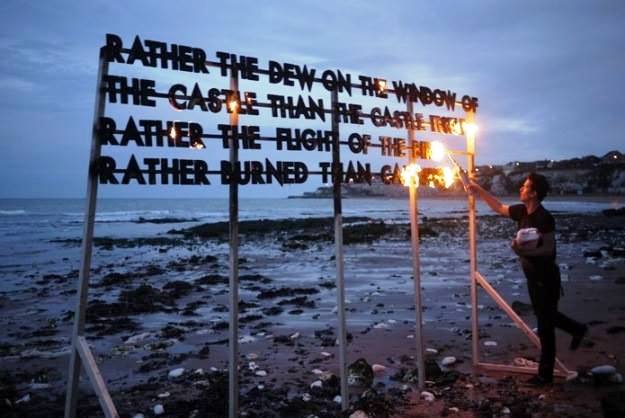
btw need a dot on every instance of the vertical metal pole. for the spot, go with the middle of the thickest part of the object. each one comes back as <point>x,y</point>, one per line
<point>233,355</point>
<point>475,332</point>
<point>416,262</point>
<point>338,242</point>
<point>75,363</point>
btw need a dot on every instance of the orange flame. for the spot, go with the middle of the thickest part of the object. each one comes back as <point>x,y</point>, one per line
<point>442,177</point>
<point>410,174</point>
<point>449,176</point>
<point>233,105</point>
<point>437,151</point>
<point>196,144</point>
<point>470,128</point>
<point>173,133</point>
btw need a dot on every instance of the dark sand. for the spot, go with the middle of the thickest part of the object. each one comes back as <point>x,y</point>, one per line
<point>162,304</point>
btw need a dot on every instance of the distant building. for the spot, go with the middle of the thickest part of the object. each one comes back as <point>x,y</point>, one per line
<point>612,157</point>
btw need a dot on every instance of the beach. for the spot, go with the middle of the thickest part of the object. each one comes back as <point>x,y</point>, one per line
<point>157,317</point>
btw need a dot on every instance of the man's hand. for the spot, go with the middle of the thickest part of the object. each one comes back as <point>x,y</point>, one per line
<point>473,188</point>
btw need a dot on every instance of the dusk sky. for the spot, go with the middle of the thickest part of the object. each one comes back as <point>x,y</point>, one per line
<point>549,75</point>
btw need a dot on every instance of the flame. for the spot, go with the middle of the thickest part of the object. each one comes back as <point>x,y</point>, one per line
<point>410,174</point>
<point>173,133</point>
<point>470,128</point>
<point>381,85</point>
<point>456,127</point>
<point>233,105</point>
<point>437,150</point>
<point>449,176</point>
<point>196,143</point>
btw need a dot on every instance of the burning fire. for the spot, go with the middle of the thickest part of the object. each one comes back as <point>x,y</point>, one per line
<point>470,128</point>
<point>196,143</point>
<point>233,105</point>
<point>173,133</point>
<point>437,151</point>
<point>441,177</point>
<point>410,174</point>
<point>449,176</point>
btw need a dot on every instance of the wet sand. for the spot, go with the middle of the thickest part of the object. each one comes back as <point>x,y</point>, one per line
<point>160,305</point>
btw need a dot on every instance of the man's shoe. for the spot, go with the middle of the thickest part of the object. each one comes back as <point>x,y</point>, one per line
<point>539,381</point>
<point>577,339</point>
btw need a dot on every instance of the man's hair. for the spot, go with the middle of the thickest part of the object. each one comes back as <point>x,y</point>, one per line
<point>539,184</point>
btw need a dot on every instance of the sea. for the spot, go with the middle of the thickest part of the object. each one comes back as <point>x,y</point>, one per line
<point>32,230</point>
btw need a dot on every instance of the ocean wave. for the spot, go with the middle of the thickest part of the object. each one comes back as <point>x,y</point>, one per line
<point>130,215</point>
<point>13,212</point>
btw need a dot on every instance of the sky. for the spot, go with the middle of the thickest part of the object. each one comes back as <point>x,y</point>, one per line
<point>549,75</point>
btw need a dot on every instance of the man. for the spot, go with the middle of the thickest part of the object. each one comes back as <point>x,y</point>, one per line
<point>538,260</point>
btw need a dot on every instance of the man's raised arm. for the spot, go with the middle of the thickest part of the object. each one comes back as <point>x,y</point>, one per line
<point>494,203</point>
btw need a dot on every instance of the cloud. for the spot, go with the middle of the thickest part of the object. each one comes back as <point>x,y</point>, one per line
<point>512,125</point>
<point>47,56</point>
<point>16,83</point>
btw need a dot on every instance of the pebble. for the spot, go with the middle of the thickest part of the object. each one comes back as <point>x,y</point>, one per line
<point>138,416</point>
<point>523,362</point>
<point>454,410</point>
<point>294,336</point>
<point>158,409</point>
<point>138,338</point>
<point>596,277</point>
<point>326,354</point>
<point>505,411</point>
<point>431,350</point>
<point>252,366</point>
<point>337,399</point>
<point>359,414</point>
<point>380,325</point>
<point>378,368</point>
<point>448,361</point>
<point>176,373</point>
<point>490,343</point>
<point>316,384</point>
<point>261,373</point>
<point>25,398</point>
<point>246,339</point>
<point>306,397</point>
<point>251,356</point>
<point>427,396</point>
<point>164,395</point>
<point>603,370</point>
<point>318,371</point>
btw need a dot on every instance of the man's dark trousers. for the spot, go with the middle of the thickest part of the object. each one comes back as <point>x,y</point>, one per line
<point>544,295</point>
